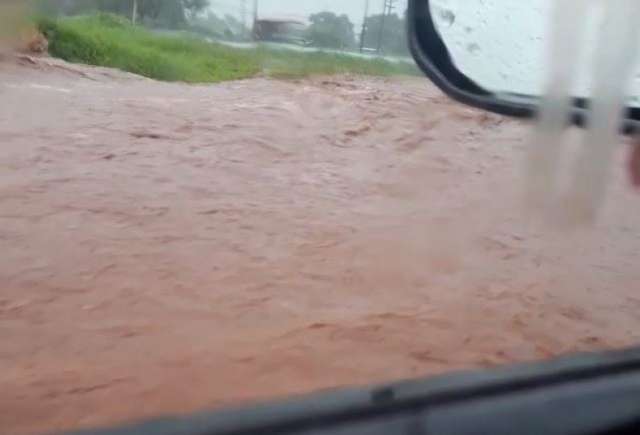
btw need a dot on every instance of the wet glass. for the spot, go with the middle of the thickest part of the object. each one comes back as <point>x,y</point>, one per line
<point>502,44</point>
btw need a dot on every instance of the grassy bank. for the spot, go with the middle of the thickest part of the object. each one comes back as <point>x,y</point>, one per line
<point>110,41</point>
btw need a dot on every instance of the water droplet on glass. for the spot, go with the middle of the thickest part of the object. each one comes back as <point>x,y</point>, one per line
<point>473,48</point>
<point>447,17</point>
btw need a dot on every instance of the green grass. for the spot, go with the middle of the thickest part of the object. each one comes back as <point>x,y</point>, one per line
<point>111,41</point>
<point>287,64</point>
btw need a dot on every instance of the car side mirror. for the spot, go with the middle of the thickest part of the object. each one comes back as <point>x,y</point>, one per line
<point>492,55</point>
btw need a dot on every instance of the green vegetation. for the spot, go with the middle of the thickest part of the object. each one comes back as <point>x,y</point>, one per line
<point>330,30</point>
<point>394,36</point>
<point>153,13</point>
<point>112,41</point>
<point>285,64</point>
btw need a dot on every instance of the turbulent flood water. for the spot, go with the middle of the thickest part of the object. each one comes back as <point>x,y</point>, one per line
<point>186,247</point>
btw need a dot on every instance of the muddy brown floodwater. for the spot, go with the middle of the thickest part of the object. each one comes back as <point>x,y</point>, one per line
<point>170,248</point>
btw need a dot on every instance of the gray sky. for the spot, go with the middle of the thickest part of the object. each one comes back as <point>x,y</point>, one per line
<point>303,8</point>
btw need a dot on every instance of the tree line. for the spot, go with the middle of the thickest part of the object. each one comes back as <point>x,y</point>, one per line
<point>326,29</point>
<point>165,13</point>
<point>329,30</point>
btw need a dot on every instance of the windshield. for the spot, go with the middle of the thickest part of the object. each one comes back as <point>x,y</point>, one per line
<point>212,203</point>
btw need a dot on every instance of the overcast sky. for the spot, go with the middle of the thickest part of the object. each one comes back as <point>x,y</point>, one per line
<point>303,8</point>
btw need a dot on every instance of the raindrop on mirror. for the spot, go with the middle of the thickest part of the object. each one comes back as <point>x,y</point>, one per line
<point>447,17</point>
<point>473,48</point>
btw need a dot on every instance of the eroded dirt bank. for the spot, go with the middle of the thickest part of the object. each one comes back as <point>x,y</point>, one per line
<point>170,248</point>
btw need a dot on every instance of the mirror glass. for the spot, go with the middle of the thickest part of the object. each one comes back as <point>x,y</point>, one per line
<point>502,44</point>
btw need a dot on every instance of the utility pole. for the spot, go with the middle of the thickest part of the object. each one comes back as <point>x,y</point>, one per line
<point>255,19</point>
<point>363,33</point>
<point>134,12</point>
<point>243,17</point>
<point>387,8</point>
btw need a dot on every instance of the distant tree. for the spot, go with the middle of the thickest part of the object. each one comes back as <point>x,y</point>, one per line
<point>75,7</point>
<point>120,7</point>
<point>235,26</point>
<point>166,13</point>
<point>193,8</point>
<point>65,7</point>
<point>162,13</point>
<point>211,25</point>
<point>394,36</point>
<point>331,31</point>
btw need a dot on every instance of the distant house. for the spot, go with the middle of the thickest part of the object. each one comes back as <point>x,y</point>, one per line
<point>281,29</point>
